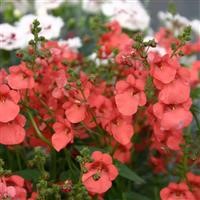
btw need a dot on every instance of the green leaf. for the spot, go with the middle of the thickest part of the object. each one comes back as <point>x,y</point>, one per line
<point>127,173</point>
<point>29,174</point>
<point>92,149</point>
<point>134,195</point>
<point>195,93</point>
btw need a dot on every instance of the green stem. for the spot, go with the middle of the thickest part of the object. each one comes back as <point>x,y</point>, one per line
<point>196,120</point>
<point>18,159</point>
<point>53,164</point>
<point>37,130</point>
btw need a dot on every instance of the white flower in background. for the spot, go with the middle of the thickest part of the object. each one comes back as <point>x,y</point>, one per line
<point>73,43</point>
<point>129,13</point>
<point>10,37</point>
<point>176,23</point>
<point>92,6</point>
<point>21,7</point>
<point>51,26</point>
<point>195,24</point>
<point>173,20</point>
<point>98,61</point>
<point>42,6</point>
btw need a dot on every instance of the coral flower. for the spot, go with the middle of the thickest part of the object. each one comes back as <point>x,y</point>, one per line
<point>12,187</point>
<point>176,192</point>
<point>194,181</point>
<point>13,133</point>
<point>20,77</point>
<point>129,95</point>
<point>100,173</point>
<point>122,131</point>
<point>8,104</point>
<point>63,134</point>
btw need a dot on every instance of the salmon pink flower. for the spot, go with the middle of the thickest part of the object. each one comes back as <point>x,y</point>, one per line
<point>129,95</point>
<point>176,192</point>
<point>12,187</point>
<point>194,181</point>
<point>123,153</point>
<point>163,68</point>
<point>122,131</point>
<point>13,133</point>
<point>7,191</point>
<point>75,113</point>
<point>114,39</point>
<point>100,173</point>
<point>168,94</point>
<point>63,134</point>
<point>172,117</point>
<point>8,104</point>
<point>171,139</point>
<point>20,77</point>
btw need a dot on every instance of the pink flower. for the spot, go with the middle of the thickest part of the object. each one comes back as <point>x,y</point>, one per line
<point>100,173</point>
<point>163,68</point>
<point>129,95</point>
<point>8,104</point>
<point>122,131</point>
<point>20,77</point>
<point>123,153</point>
<point>12,187</point>
<point>168,94</point>
<point>13,133</point>
<point>114,39</point>
<point>172,117</point>
<point>176,192</point>
<point>63,134</point>
<point>75,113</point>
<point>194,181</point>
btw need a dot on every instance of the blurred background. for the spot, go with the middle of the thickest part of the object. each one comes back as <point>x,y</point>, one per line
<point>83,19</point>
<point>187,8</point>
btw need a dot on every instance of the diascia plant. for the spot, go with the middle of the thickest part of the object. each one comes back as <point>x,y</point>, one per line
<point>120,128</point>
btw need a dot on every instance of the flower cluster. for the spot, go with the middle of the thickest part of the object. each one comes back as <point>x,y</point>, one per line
<point>91,124</point>
<point>182,190</point>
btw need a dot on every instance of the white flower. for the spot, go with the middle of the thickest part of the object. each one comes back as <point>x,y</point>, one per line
<point>10,37</point>
<point>72,43</point>
<point>100,61</point>
<point>92,6</point>
<point>50,25</point>
<point>42,6</point>
<point>175,23</point>
<point>129,13</point>
<point>21,7</point>
<point>195,24</point>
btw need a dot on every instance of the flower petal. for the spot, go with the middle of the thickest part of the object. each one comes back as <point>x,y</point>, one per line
<point>11,134</point>
<point>8,110</point>
<point>127,104</point>
<point>60,141</point>
<point>75,113</point>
